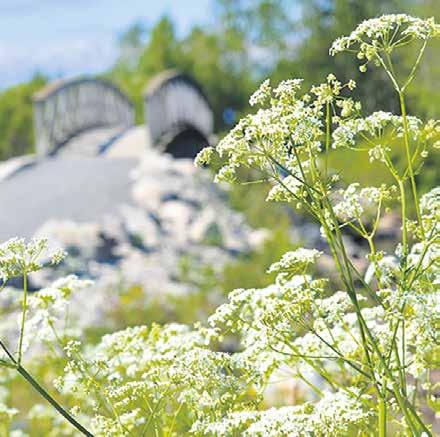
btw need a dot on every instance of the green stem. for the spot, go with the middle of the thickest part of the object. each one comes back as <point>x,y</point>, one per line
<point>327,136</point>
<point>51,400</point>
<point>404,228</point>
<point>23,372</point>
<point>376,267</point>
<point>408,157</point>
<point>23,318</point>
<point>390,74</point>
<point>382,407</point>
<point>404,405</point>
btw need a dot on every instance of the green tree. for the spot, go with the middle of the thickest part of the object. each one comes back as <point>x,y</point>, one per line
<point>218,61</point>
<point>159,52</point>
<point>220,64</point>
<point>263,23</point>
<point>16,124</point>
<point>424,96</point>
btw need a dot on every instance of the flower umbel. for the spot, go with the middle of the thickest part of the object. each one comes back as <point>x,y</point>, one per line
<point>18,256</point>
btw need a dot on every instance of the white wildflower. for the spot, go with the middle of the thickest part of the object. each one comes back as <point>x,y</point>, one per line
<point>356,203</point>
<point>295,262</point>
<point>285,191</point>
<point>334,414</point>
<point>204,157</point>
<point>18,257</point>
<point>385,33</point>
<point>262,95</point>
<point>375,127</point>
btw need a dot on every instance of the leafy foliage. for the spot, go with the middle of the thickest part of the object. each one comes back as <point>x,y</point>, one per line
<point>16,131</point>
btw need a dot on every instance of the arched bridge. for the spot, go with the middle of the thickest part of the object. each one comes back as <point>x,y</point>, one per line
<point>179,119</point>
<point>87,146</point>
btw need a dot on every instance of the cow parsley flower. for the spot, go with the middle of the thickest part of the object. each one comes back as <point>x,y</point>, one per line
<point>260,315</point>
<point>356,202</point>
<point>430,214</point>
<point>288,89</point>
<point>379,153</point>
<point>286,191</point>
<point>332,308</point>
<point>383,34</point>
<point>262,94</point>
<point>348,107</point>
<point>430,203</point>
<point>204,157</point>
<point>226,174</point>
<point>326,92</point>
<point>334,414</point>
<point>385,268</point>
<point>169,367</point>
<point>265,140</point>
<point>295,262</point>
<point>18,257</point>
<point>48,307</point>
<point>375,127</point>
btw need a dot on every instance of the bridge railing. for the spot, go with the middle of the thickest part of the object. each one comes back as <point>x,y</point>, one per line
<point>174,102</point>
<point>65,108</point>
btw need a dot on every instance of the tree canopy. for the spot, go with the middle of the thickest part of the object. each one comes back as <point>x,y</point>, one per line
<point>246,41</point>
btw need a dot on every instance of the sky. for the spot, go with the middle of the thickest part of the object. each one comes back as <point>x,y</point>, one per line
<point>66,38</point>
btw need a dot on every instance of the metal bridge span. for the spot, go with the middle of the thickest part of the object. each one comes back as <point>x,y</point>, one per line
<point>87,145</point>
<point>178,117</point>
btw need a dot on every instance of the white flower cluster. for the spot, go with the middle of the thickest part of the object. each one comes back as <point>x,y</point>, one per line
<point>262,94</point>
<point>379,153</point>
<point>292,323</point>
<point>356,203</point>
<point>286,128</point>
<point>288,89</point>
<point>384,267</point>
<point>265,317</point>
<point>143,379</point>
<point>287,190</point>
<point>263,140</point>
<point>204,157</point>
<point>293,263</point>
<point>418,305</point>
<point>18,257</point>
<point>380,125</point>
<point>430,208</point>
<point>371,344</point>
<point>385,33</point>
<point>422,311</point>
<point>335,414</point>
<point>48,309</point>
<point>167,368</point>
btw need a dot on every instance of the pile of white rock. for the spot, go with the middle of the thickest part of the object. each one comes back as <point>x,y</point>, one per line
<point>176,213</point>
